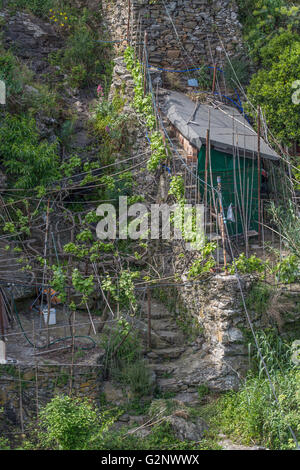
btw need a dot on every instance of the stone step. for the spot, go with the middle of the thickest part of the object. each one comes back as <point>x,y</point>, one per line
<point>166,354</point>
<point>168,385</point>
<point>158,311</point>
<point>163,370</point>
<point>163,324</point>
<point>171,337</point>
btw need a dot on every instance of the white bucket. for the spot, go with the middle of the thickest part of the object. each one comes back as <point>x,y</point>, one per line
<point>52,316</point>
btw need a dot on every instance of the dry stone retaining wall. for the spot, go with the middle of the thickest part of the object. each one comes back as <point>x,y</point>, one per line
<point>202,26</point>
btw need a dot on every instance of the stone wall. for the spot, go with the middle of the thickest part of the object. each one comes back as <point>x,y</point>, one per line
<point>216,305</point>
<point>200,25</point>
<point>44,382</point>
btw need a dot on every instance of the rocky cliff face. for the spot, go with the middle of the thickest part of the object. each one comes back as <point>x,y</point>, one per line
<point>181,33</point>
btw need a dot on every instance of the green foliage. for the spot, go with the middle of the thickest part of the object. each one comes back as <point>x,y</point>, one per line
<point>288,269</point>
<point>276,352</point>
<point>177,187</point>
<point>59,282</point>
<point>110,122</point>
<point>84,285</point>
<point>123,292</point>
<point>29,161</point>
<point>272,88</point>
<point>137,376</point>
<point>247,265</point>
<point>258,298</point>
<point>10,73</point>
<point>272,32</point>
<point>37,7</point>
<point>143,105</point>
<point>263,18</point>
<point>252,415</point>
<point>72,424</point>
<point>122,344</point>
<point>124,359</point>
<point>239,75</point>
<point>82,58</point>
<point>4,444</point>
<point>205,263</point>
<point>158,151</point>
<point>203,391</point>
<point>288,223</point>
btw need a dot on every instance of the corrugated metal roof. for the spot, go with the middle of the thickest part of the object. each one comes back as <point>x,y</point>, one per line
<point>229,130</point>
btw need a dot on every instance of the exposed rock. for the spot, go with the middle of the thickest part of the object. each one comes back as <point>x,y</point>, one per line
<point>186,430</point>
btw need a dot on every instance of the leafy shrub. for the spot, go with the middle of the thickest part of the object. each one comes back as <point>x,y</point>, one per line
<point>32,162</point>
<point>205,263</point>
<point>82,58</point>
<point>288,269</point>
<point>10,73</point>
<point>247,265</point>
<point>261,18</point>
<point>72,424</point>
<point>272,89</point>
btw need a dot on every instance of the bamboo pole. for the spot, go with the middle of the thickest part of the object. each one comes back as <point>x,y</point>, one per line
<point>21,401</point>
<point>149,316</point>
<point>214,79</point>
<point>145,61</point>
<point>259,174</point>
<point>222,222</point>
<point>128,22</point>
<point>206,166</point>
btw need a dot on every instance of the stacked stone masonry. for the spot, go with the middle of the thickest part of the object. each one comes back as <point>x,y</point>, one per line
<point>204,28</point>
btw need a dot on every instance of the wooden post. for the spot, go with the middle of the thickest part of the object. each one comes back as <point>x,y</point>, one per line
<point>128,23</point>
<point>2,332</point>
<point>214,79</point>
<point>149,316</point>
<point>72,361</point>
<point>21,402</point>
<point>206,166</point>
<point>36,373</point>
<point>222,222</point>
<point>259,174</point>
<point>145,61</point>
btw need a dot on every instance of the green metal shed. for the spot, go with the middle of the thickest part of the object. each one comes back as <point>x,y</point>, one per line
<point>233,155</point>
<point>239,180</point>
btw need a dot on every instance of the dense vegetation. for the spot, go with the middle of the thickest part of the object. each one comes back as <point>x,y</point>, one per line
<point>272,35</point>
<point>37,167</point>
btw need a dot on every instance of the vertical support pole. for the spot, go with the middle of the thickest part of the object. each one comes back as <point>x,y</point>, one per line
<point>36,373</point>
<point>214,79</point>
<point>206,166</point>
<point>21,401</point>
<point>145,61</point>
<point>73,347</point>
<point>222,222</point>
<point>149,316</point>
<point>2,332</point>
<point>128,23</point>
<point>259,174</point>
